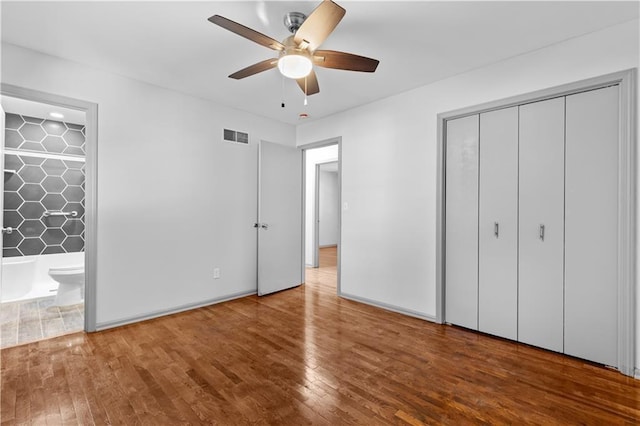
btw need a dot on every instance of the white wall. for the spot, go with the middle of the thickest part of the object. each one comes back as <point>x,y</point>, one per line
<point>389,151</point>
<point>329,208</point>
<point>313,157</point>
<point>174,200</point>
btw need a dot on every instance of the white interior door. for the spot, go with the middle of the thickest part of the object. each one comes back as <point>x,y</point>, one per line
<point>279,218</point>
<point>461,222</point>
<point>591,252</point>
<point>541,230</point>
<point>498,224</point>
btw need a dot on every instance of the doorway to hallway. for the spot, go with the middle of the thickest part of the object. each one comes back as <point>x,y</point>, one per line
<point>322,216</point>
<point>325,275</point>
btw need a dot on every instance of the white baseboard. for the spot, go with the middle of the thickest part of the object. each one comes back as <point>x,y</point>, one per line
<point>636,374</point>
<point>389,307</point>
<point>155,314</point>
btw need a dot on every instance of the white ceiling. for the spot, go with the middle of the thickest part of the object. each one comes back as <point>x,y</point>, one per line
<point>171,44</point>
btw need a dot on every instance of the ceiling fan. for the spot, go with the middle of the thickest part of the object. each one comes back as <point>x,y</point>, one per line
<point>299,52</point>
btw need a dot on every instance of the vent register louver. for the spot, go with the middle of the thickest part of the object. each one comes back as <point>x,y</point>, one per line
<point>235,136</point>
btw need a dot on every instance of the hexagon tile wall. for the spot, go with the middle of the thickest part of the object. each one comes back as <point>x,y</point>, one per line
<point>35,182</point>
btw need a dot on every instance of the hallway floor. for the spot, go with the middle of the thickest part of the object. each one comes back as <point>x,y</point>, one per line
<point>36,319</point>
<point>327,273</point>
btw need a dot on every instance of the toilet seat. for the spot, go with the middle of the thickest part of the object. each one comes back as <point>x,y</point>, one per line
<point>67,270</point>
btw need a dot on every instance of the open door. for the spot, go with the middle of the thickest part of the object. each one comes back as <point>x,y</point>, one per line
<point>279,218</point>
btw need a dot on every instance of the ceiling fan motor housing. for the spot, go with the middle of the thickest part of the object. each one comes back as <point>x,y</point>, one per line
<point>293,20</point>
<point>291,48</point>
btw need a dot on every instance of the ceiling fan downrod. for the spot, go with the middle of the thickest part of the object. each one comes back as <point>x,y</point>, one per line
<point>293,21</point>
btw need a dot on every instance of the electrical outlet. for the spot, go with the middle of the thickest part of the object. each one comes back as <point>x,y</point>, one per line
<point>216,273</point>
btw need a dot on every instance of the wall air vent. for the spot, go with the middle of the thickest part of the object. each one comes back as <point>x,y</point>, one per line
<point>235,136</point>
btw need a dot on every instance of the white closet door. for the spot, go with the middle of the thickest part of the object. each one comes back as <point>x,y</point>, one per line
<point>591,314</point>
<point>498,224</point>
<point>541,230</point>
<point>461,222</point>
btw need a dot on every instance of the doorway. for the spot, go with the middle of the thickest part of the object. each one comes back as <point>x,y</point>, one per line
<point>327,210</point>
<point>48,229</point>
<point>322,215</point>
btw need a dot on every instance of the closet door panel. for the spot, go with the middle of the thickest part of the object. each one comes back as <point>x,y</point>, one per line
<point>461,222</point>
<point>498,224</point>
<point>541,228</point>
<point>591,312</point>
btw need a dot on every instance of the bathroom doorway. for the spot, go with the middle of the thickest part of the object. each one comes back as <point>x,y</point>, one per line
<point>47,217</point>
<point>322,215</point>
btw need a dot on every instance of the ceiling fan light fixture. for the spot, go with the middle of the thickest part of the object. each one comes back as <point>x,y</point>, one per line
<point>299,52</point>
<point>295,66</point>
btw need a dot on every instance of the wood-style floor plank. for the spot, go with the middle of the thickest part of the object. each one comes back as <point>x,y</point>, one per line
<point>303,356</point>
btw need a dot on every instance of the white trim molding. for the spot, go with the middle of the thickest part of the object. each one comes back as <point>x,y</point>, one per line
<point>164,312</point>
<point>627,169</point>
<point>388,307</point>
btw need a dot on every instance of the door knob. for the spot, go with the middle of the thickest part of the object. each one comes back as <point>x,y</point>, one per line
<point>7,230</point>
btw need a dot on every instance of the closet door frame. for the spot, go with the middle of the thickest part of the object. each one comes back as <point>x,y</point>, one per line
<point>626,80</point>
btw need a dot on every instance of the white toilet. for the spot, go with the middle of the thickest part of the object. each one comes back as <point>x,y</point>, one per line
<point>71,284</point>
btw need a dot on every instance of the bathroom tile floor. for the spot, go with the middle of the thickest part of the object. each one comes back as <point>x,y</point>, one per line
<point>36,319</point>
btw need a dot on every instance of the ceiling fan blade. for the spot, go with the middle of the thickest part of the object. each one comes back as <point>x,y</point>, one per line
<point>319,24</point>
<point>344,61</point>
<point>255,69</point>
<point>311,83</point>
<point>246,32</point>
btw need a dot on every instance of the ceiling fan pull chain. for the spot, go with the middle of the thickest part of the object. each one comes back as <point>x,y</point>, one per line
<point>282,92</point>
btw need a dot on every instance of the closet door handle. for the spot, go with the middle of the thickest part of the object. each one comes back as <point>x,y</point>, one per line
<point>496,229</point>
<point>541,234</point>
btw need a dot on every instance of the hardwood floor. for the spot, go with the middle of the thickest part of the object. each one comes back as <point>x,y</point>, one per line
<point>326,274</point>
<point>303,356</point>
<point>328,258</point>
